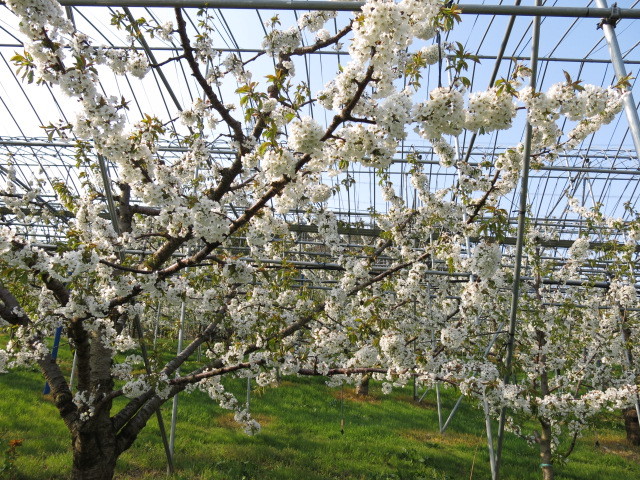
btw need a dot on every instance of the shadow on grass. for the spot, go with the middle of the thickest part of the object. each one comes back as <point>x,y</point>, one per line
<point>385,437</point>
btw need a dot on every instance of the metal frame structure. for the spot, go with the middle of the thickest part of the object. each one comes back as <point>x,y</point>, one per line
<point>602,167</point>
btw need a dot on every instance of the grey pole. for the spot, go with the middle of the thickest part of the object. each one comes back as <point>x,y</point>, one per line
<point>535,41</point>
<point>452,414</point>
<point>174,407</point>
<point>487,422</point>
<point>470,9</point>
<point>609,29</point>
<point>104,172</point>
<point>249,393</point>
<point>73,371</point>
<point>494,74</point>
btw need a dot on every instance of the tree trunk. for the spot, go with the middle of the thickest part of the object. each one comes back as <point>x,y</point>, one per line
<point>362,388</point>
<point>94,450</point>
<point>545,451</point>
<point>545,437</point>
<point>632,426</point>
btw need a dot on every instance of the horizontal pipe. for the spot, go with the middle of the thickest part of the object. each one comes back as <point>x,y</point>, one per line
<point>542,11</point>
<point>342,52</point>
<point>426,151</point>
<point>380,269</point>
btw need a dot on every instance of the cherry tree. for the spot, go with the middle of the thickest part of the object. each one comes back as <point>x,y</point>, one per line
<point>169,232</point>
<point>570,349</point>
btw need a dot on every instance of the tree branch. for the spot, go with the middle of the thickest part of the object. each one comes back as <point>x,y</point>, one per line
<point>235,125</point>
<point>10,309</point>
<point>62,397</point>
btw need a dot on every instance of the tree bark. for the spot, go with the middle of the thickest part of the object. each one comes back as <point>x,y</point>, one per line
<point>632,426</point>
<point>94,442</point>
<point>545,437</point>
<point>94,450</point>
<point>362,388</point>
<point>545,451</point>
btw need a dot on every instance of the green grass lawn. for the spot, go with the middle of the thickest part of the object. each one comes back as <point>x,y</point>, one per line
<point>385,437</point>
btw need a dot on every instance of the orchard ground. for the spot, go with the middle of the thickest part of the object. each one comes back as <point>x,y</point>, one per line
<point>385,437</point>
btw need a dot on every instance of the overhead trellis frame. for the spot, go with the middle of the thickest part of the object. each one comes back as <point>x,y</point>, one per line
<point>470,9</point>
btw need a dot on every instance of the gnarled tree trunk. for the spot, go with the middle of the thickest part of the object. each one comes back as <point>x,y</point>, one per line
<point>94,441</point>
<point>94,450</point>
<point>632,426</point>
<point>362,388</point>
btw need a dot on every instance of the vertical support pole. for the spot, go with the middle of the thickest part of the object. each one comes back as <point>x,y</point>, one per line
<point>609,29</point>
<point>111,207</point>
<point>54,355</point>
<point>74,365</point>
<point>415,378</point>
<point>487,423</point>
<point>629,355</point>
<point>494,74</point>
<point>156,328</point>
<point>438,401</point>
<point>626,341</point>
<point>174,407</point>
<point>248,393</point>
<point>524,186</point>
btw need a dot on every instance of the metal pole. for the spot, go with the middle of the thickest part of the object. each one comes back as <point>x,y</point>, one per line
<point>54,354</point>
<point>104,172</point>
<point>609,29</point>
<point>73,371</point>
<point>343,6</point>
<point>249,393</point>
<point>440,406</point>
<point>174,408</point>
<point>629,356</point>
<point>487,423</point>
<point>535,43</point>
<point>156,328</point>
<point>452,414</point>
<point>494,74</point>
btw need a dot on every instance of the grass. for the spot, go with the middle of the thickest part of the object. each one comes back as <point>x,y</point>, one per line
<point>385,437</point>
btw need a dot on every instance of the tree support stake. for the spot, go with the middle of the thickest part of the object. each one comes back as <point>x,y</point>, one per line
<point>535,42</point>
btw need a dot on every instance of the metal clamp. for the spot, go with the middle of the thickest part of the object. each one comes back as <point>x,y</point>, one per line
<point>613,18</point>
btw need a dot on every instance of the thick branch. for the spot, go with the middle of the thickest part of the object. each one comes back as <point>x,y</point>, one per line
<point>481,203</point>
<point>205,336</point>
<point>130,432</point>
<point>144,210</point>
<point>10,309</point>
<point>125,213</point>
<point>163,253</point>
<point>62,397</point>
<point>386,273</point>
<point>120,419</point>
<point>234,124</point>
<point>325,43</point>
<point>59,289</point>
